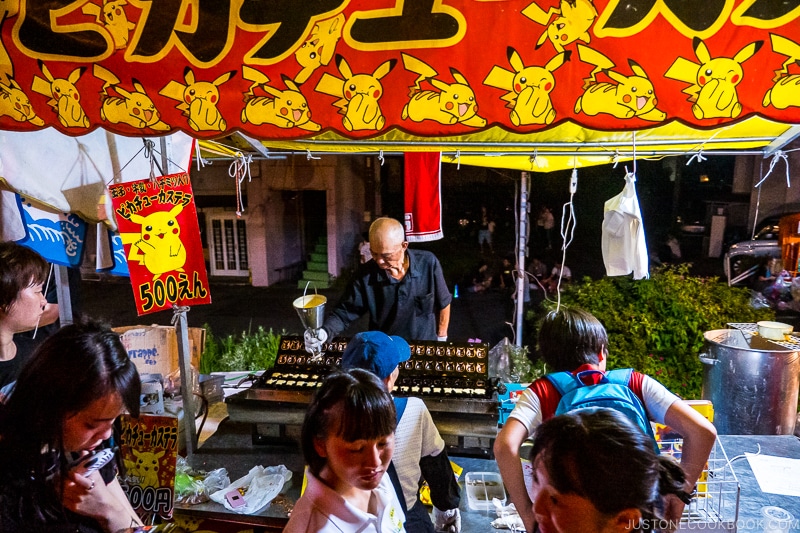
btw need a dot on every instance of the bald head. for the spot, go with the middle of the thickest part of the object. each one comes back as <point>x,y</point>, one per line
<point>386,233</point>
<point>387,241</point>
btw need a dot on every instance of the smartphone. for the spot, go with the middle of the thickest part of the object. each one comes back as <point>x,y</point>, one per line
<point>91,462</point>
<point>235,498</point>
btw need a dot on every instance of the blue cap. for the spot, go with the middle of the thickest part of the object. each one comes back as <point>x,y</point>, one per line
<point>377,352</point>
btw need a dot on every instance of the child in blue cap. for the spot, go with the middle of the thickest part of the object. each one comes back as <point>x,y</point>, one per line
<point>419,449</point>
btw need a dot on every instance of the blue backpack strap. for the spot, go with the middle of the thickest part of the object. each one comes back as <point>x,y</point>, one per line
<point>566,382</point>
<point>400,407</point>
<point>620,376</point>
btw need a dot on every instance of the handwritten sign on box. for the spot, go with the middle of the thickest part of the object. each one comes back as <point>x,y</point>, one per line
<point>154,349</point>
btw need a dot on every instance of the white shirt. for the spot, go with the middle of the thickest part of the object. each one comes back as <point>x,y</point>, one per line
<point>416,437</point>
<point>564,272</point>
<point>364,251</point>
<point>322,510</point>
<point>623,243</point>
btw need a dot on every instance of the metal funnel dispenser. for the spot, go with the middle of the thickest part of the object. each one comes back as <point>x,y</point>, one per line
<point>311,310</point>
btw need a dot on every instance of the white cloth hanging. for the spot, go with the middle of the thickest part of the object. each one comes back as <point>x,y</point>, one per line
<point>12,227</point>
<point>69,174</point>
<point>623,244</point>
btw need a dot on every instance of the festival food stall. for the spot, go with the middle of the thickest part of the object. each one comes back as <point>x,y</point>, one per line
<point>530,86</point>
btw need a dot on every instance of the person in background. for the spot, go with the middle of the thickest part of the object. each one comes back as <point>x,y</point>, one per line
<point>363,248</point>
<point>594,470</point>
<point>23,307</point>
<point>486,231</point>
<point>768,272</point>
<point>507,280</point>
<point>545,222</point>
<point>419,452</point>
<point>482,278</point>
<point>573,340</point>
<point>561,273</point>
<point>347,440</point>
<point>63,406</point>
<point>403,290</point>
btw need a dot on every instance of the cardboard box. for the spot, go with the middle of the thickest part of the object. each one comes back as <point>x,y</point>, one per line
<point>154,349</point>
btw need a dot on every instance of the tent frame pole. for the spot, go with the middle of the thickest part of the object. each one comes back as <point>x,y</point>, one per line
<point>522,250</point>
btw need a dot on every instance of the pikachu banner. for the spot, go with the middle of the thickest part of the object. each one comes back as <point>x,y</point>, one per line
<point>149,450</point>
<point>158,225</point>
<point>394,70</point>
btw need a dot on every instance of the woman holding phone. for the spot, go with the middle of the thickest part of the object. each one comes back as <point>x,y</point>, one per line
<point>63,408</point>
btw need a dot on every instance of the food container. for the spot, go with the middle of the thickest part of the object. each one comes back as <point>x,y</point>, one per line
<point>753,383</point>
<point>482,487</point>
<point>774,331</point>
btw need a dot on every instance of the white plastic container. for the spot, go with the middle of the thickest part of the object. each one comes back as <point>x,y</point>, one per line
<point>482,487</point>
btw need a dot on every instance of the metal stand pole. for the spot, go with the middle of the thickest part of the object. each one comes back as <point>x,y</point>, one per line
<point>187,392</point>
<point>522,250</point>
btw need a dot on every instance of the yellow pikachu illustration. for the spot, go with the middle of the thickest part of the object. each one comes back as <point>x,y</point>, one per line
<point>359,94</point>
<point>320,46</point>
<point>713,80</point>
<point>133,108</point>
<point>64,96</point>
<point>451,103</point>
<point>572,22</point>
<point>113,17</point>
<point>627,97</point>
<point>15,103</point>
<point>528,88</point>
<point>147,467</point>
<point>199,100</point>
<point>285,109</point>
<point>158,246</point>
<point>786,91</point>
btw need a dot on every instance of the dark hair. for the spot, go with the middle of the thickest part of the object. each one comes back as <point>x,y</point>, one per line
<point>20,267</point>
<point>72,368</point>
<point>569,338</point>
<point>353,405</point>
<point>601,455</point>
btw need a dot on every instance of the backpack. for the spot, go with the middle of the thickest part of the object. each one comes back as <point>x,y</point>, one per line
<point>612,392</point>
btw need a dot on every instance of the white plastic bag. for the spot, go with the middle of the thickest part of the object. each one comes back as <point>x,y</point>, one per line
<point>623,243</point>
<point>260,486</point>
<point>507,517</point>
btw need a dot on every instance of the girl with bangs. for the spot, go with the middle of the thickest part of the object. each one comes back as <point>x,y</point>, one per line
<point>348,440</point>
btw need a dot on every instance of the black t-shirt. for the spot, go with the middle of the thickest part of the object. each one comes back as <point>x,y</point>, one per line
<point>9,370</point>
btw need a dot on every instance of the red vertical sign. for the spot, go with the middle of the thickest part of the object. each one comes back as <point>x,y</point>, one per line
<point>157,221</point>
<point>149,449</point>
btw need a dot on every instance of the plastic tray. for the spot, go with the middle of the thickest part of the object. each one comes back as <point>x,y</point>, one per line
<point>482,487</point>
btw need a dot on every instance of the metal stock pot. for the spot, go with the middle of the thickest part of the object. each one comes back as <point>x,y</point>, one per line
<point>752,382</point>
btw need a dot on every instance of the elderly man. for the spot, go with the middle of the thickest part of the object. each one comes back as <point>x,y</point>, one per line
<point>419,451</point>
<point>403,291</point>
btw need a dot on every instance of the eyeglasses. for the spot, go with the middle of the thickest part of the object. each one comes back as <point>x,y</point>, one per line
<point>387,256</point>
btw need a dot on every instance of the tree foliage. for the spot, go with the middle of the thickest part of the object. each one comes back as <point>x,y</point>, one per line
<point>656,325</point>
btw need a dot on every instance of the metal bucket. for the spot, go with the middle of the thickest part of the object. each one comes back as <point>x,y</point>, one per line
<point>752,382</point>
